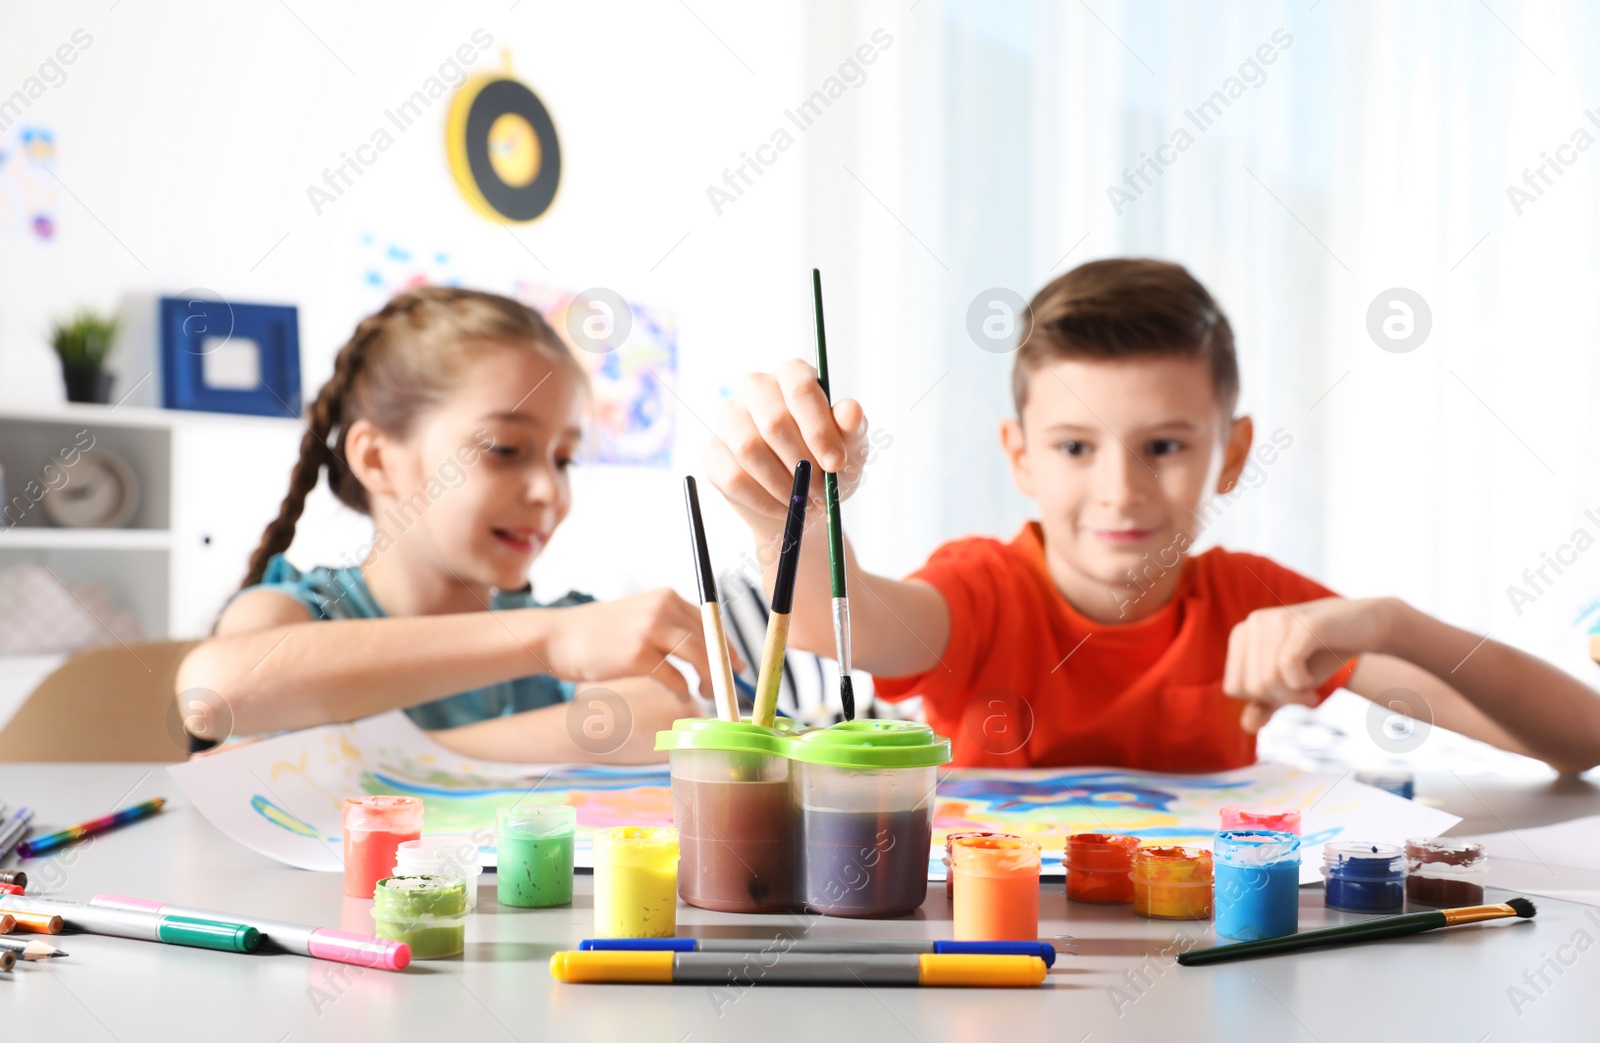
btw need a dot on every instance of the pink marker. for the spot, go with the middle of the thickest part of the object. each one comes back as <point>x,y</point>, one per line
<point>318,942</point>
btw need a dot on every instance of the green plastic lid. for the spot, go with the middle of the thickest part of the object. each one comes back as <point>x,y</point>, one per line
<point>709,733</point>
<point>850,744</point>
<point>872,744</point>
<point>208,934</point>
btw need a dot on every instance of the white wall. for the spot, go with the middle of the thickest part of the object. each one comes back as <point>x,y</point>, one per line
<point>187,136</point>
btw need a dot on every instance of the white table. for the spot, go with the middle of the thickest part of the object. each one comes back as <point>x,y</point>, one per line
<point>1438,987</point>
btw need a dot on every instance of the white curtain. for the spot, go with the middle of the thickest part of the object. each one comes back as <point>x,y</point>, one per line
<point>1373,152</point>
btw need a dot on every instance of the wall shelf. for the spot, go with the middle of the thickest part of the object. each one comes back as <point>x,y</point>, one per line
<point>39,538</point>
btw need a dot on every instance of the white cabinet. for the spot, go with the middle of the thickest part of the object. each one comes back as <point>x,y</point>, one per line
<point>209,483</point>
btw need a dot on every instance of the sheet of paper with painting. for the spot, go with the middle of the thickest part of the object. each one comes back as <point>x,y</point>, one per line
<point>282,797</point>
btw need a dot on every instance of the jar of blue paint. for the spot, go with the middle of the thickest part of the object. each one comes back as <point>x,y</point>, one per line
<point>1363,877</point>
<point>1256,884</point>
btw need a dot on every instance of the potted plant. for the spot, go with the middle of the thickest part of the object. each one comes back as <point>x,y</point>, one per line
<point>82,344</point>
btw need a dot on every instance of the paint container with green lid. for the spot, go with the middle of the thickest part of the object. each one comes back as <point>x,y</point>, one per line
<point>864,793</point>
<point>834,819</point>
<point>427,912</point>
<point>733,807</point>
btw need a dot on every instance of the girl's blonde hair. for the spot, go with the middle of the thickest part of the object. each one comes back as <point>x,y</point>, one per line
<point>400,360</point>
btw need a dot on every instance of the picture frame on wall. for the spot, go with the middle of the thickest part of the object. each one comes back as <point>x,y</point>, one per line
<point>220,356</point>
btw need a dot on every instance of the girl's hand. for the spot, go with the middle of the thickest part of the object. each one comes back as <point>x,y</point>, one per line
<point>1282,655</point>
<point>629,637</point>
<point>771,423</point>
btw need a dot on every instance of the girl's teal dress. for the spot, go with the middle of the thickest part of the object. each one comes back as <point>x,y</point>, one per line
<point>343,594</point>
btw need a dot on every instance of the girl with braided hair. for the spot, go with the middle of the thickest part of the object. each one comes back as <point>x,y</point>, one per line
<point>451,419</point>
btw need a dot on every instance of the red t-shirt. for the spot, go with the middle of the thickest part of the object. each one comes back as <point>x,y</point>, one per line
<point>1028,680</point>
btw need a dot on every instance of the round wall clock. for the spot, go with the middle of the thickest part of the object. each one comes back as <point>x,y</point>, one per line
<point>101,492</point>
<point>502,148</point>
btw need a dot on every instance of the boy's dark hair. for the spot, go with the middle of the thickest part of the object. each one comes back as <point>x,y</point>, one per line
<point>1127,307</point>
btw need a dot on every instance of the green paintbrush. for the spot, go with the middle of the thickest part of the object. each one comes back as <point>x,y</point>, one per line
<point>830,496</point>
<point>1365,931</point>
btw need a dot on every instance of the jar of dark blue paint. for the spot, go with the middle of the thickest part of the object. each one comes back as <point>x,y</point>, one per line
<point>1256,883</point>
<point>1363,877</point>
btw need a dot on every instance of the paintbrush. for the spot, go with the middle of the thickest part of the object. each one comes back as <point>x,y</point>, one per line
<point>830,495</point>
<point>770,676</point>
<point>1365,931</point>
<point>727,698</point>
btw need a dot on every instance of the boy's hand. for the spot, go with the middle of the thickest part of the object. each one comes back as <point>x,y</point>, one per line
<point>1282,655</point>
<point>629,637</point>
<point>770,424</point>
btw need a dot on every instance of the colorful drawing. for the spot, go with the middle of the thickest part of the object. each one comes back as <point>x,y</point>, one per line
<point>282,797</point>
<point>633,404</point>
<point>28,191</point>
<point>388,267</point>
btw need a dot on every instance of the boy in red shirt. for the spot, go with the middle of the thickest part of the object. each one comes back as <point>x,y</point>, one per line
<point>1093,636</point>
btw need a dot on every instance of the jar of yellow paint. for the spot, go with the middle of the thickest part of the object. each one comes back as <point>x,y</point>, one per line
<point>636,882</point>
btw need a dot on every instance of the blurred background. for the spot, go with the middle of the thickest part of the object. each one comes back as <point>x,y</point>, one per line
<point>1394,202</point>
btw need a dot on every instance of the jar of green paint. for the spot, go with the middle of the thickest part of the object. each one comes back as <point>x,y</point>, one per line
<point>534,845</point>
<point>427,912</point>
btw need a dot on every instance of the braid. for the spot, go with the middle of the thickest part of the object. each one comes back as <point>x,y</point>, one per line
<point>324,416</point>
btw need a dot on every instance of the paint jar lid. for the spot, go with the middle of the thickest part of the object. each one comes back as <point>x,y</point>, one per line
<point>424,899</point>
<point>1255,848</point>
<point>1362,860</point>
<point>871,744</point>
<point>848,744</point>
<point>1261,816</point>
<point>1099,853</point>
<point>994,856</point>
<point>1444,855</point>
<point>636,845</point>
<point>383,812</point>
<point>709,733</point>
<point>537,820</point>
<point>441,855</point>
<point>1172,866</point>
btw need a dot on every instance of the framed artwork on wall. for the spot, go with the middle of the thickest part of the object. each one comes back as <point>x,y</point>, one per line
<point>223,357</point>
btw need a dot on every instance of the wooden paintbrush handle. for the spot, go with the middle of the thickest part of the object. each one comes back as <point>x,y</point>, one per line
<point>725,696</point>
<point>771,675</point>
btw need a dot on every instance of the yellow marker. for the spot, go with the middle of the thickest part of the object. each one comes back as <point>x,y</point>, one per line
<point>795,968</point>
<point>636,882</point>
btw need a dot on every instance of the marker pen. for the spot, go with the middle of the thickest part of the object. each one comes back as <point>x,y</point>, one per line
<point>144,926</point>
<point>301,939</point>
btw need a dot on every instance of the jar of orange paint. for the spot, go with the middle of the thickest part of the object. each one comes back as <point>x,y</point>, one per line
<point>999,895</point>
<point>1172,883</point>
<point>1098,867</point>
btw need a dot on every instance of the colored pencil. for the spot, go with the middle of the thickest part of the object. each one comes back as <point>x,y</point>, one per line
<point>300,939</point>
<point>852,947</point>
<point>727,698</point>
<point>8,923</point>
<point>770,676</point>
<point>8,959</point>
<point>1364,931</point>
<point>14,829</point>
<point>34,923</point>
<point>32,949</point>
<point>200,932</point>
<point>710,968</point>
<point>73,834</point>
<point>830,496</point>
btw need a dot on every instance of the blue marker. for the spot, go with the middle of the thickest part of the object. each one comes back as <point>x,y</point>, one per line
<point>1044,950</point>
